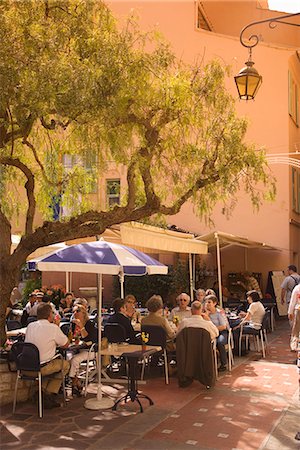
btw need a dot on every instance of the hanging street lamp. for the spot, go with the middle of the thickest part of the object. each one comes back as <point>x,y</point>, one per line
<point>248,80</point>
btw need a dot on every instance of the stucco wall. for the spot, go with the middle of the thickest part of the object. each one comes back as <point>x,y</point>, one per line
<point>7,386</point>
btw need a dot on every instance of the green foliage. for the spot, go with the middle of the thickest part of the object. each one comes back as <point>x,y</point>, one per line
<point>29,287</point>
<point>176,281</point>
<point>71,83</point>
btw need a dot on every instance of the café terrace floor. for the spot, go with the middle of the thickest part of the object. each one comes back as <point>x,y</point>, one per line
<point>254,407</point>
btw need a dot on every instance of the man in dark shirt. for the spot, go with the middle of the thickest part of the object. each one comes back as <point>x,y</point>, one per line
<point>120,317</point>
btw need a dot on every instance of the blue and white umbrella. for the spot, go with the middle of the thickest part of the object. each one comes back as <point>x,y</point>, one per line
<point>100,257</point>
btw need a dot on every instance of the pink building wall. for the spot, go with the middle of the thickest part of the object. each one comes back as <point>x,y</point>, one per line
<point>269,122</point>
<point>269,126</point>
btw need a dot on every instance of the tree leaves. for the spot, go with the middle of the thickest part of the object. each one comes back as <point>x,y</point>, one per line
<point>75,84</point>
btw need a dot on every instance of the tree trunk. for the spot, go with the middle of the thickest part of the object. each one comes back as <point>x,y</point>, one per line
<point>9,277</point>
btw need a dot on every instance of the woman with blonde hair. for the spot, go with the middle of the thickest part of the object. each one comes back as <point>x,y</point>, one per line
<point>85,330</point>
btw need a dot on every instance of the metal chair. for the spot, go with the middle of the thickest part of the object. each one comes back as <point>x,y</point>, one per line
<point>115,333</point>
<point>31,319</point>
<point>13,325</point>
<point>157,336</point>
<point>257,335</point>
<point>65,327</point>
<point>94,360</point>
<point>266,325</point>
<point>196,357</point>
<point>229,348</point>
<point>27,359</point>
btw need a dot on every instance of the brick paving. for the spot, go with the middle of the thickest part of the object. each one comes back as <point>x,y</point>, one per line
<point>254,407</point>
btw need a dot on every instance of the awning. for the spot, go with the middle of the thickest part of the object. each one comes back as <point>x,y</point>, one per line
<point>142,237</point>
<point>226,239</point>
<point>219,239</point>
<point>159,239</point>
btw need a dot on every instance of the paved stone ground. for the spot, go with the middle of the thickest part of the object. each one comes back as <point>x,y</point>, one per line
<point>254,407</point>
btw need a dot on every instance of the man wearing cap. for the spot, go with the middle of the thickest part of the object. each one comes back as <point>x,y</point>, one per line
<point>35,299</point>
<point>46,336</point>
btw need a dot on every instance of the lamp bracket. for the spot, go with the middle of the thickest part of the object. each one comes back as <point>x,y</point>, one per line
<point>272,21</point>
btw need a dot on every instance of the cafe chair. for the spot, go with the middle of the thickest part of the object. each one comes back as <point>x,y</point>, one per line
<point>65,327</point>
<point>13,325</point>
<point>266,326</point>
<point>196,357</point>
<point>31,319</point>
<point>158,337</point>
<point>259,337</point>
<point>270,306</point>
<point>229,349</point>
<point>91,366</point>
<point>27,359</point>
<point>115,333</point>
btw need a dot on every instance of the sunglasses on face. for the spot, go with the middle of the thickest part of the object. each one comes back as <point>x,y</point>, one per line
<point>183,300</point>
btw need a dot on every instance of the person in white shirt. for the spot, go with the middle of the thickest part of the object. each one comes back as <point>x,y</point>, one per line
<point>46,336</point>
<point>254,316</point>
<point>36,298</point>
<point>198,320</point>
<point>295,300</point>
<point>294,317</point>
<point>182,310</point>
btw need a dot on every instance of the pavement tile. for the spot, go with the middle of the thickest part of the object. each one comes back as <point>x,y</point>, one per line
<point>254,407</point>
<point>116,440</point>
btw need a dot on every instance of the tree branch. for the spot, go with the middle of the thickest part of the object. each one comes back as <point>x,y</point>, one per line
<point>48,180</point>
<point>199,184</point>
<point>131,182</point>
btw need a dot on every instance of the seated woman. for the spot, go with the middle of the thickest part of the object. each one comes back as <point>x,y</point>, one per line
<point>252,319</point>
<point>66,304</point>
<point>88,333</point>
<point>131,312</point>
<point>220,321</point>
<point>200,296</point>
<point>182,310</point>
<point>155,317</point>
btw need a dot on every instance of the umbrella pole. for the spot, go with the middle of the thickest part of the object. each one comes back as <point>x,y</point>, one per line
<point>99,402</point>
<point>67,282</point>
<point>191,277</point>
<point>121,279</point>
<point>219,269</point>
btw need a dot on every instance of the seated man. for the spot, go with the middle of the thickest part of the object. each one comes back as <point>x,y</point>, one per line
<point>120,317</point>
<point>182,310</point>
<point>194,350</point>
<point>199,320</point>
<point>131,311</point>
<point>46,336</point>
